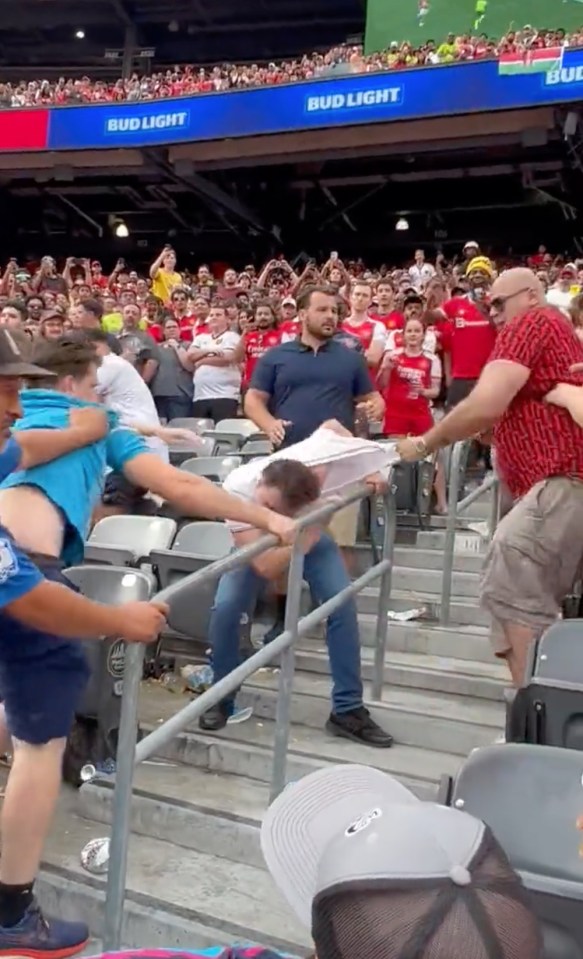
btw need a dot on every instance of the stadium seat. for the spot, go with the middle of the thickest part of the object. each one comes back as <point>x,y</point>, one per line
<point>94,734</point>
<point>211,467</point>
<point>531,797</point>
<point>128,540</point>
<point>244,428</point>
<point>253,448</point>
<point>194,423</point>
<point>205,539</point>
<point>196,546</point>
<point>548,710</point>
<point>201,446</point>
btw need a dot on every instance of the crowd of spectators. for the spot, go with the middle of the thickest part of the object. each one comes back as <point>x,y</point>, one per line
<point>172,323</point>
<point>344,59</point>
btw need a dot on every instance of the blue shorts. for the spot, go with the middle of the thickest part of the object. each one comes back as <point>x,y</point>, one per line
<point>42,677</point>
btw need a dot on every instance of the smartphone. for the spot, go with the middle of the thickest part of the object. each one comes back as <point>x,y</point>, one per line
<point>334,255</point>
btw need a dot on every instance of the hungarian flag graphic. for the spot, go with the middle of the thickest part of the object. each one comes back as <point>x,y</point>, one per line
<point>531,61</point>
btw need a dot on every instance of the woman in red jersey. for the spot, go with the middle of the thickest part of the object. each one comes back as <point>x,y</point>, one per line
<point>412,378</point>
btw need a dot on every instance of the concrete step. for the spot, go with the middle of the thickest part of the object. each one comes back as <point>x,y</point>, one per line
<point>464,585</point>
<point>419,558</point>
<point>463,610</point>
<point>481,680</point>
<point>246,749</point>
<point>419,636</point>
<point>174,899</point>
<point>467,541</point>
<point>218,813</point>
<point>433,721</point>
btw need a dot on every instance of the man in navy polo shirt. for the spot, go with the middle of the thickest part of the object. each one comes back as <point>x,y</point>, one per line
<point>301,384</point>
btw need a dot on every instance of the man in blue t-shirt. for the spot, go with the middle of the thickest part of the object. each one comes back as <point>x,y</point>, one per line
<point>35,659</point>
<point>47,510</point>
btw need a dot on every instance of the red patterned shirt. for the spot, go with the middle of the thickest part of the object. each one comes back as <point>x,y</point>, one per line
<point>535,440</point>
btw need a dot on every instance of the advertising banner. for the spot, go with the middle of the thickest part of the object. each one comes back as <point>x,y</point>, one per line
<point>358,99</point>
<point>365,98</point>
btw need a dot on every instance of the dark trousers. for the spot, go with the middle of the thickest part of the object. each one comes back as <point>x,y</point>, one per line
<point>173,407</point>
<point>216,410</point>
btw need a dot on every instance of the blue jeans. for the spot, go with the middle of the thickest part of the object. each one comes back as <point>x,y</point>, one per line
<point>325,573</point>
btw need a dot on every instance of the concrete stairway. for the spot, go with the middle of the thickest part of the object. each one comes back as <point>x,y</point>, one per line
<point>196,877</point>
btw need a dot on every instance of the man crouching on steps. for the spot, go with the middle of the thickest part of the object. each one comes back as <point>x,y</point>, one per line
<point>288,482</point>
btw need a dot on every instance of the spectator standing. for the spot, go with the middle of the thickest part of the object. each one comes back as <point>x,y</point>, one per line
<point>185,317</point>
<point>136,344</point>
<point>172,386</point>
<point>561,294</point>
<point>536,554</point>
<point>47,278</point>
<point>370,333</point>
<point>469,336</point>
<point>257,341</point>
<point>88,316</point>
<point>413,379</point>
<point>13,315</point>
<point>216,373</point>
<point>385,312</point>
<point>164,276</point>
<point>302,383</point>
<point>51,325</point>
<point>421,272</point>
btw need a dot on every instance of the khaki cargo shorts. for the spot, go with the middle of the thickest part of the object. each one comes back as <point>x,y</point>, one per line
<point>535,558</point>
<point>343,527</point>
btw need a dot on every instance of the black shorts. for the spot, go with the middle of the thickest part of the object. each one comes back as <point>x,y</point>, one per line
<point>122,494</point>
<point>457,391</point>
<point>42,676</point>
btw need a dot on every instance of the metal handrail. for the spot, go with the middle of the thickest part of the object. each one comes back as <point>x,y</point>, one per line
<point>129,752</point>
<point>454,511</point>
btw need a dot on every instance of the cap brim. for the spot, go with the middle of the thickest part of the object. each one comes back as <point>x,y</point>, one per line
<point>307,815</point>
<point>27,370</point>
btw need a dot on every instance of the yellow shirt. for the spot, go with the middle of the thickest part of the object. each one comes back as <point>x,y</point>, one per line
<point>163,284</point>
<point>112,322</point>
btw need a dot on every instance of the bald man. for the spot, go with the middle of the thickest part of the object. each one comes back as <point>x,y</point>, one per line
<point>537,551</point>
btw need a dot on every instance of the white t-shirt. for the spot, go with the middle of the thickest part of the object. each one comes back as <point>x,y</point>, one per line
<point>348,460</point>
<point>217,382</point>
<point>560,298</point>
<point>123,391</point>
<point>420,275</point>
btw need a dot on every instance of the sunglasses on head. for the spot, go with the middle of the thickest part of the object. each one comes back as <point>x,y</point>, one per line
<point>499,302</point>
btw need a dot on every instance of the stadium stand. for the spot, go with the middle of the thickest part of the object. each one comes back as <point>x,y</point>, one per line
<point>187,80</point>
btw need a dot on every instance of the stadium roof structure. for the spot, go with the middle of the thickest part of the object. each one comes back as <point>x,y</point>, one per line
<point>39,38</point>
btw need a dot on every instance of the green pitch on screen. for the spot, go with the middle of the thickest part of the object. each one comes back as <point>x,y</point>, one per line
<point>420,20</point>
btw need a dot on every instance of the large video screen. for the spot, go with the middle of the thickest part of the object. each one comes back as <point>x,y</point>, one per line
<point>419,20</point>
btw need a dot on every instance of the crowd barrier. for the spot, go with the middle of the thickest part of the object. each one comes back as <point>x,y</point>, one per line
<point>433,91</point>
<point>129,752</point>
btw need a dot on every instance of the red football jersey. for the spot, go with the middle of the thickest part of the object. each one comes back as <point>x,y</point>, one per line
<point>408,375</point>
<point>469,337</point>
<point>391,321</point>
<point>364,332</point>
<point>289,330</point>
<point>255,344</point>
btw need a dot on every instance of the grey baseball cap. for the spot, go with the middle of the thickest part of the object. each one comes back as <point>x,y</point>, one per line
<point>377,874</point>
<point>13,363</point>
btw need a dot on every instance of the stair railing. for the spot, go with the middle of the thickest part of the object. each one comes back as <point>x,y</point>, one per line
<point>459,455</point>
<point>129,752</point>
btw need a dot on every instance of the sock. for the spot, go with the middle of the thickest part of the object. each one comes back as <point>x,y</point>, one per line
<point>281,602</point>
<point>14,901</point>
